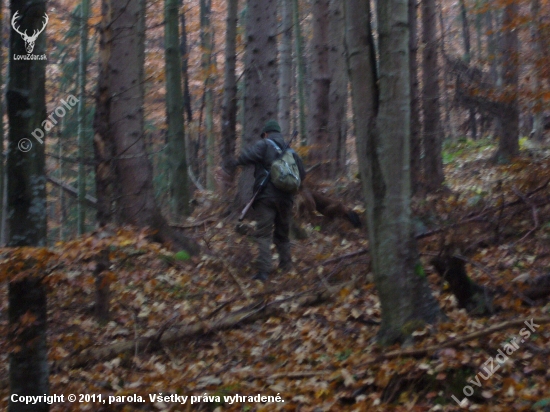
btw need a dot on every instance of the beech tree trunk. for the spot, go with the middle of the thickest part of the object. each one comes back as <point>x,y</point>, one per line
<point>433,133</point>
<point>26,209</point>
<point>177,159</point>
<point>382,125</point>
<point>508,144</point>
<point>416,126</point>
<point>260,81</point>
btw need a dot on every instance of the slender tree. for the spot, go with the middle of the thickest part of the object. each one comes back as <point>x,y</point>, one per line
<point>300,70</point>
<point>2,167</point>
<point>179,186</point>
<point>119,137</point>
<point>416,126</point>
<point>538,52</point>
<point>467,57</point>
<point>508,144</point>
<point>260,80</point>
<point>208,66</point>
<point>82,130</point>
<point>229,106</point>
<point>318,137</point>
<point>432,133</point>
<point>285,66</point>
<point>26,207</point>
<point>184,66</point>
<point>382,126</point>
<point>338,91</point>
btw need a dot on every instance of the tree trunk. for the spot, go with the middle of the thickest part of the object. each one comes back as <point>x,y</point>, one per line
<point>449,128</point>
<point>103,138</point>
<point>82,65</point>
<point>26,210</point>
<point>260,82</point>
<point>177,159</point>
<point>416,126</point>
<point>2,167</point>
<point>229,108</point>
<point>184,64</point>
<point>382,124</point>
<point>508,144</point>
<point>285,68</point>
<point>300,69</point>
<point>208,65</point>
<point>432,139</point>
<point>120,123</point>
<point>318,137</point>
<point>538,51</point>
<point>467,58</point>
<point>338,92</point>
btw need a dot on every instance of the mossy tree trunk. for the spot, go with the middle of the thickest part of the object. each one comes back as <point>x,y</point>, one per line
<point>382,126</point>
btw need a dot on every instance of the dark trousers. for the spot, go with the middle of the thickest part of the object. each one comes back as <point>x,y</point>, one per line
<point>273,216</point>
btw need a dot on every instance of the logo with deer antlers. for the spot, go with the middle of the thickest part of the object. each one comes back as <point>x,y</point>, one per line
<point>29,40</point>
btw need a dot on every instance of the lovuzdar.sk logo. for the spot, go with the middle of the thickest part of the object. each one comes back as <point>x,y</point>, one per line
<point>29,40</point>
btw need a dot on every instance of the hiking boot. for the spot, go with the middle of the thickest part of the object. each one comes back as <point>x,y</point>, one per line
<point>285,267</point>
<point>261,276</point>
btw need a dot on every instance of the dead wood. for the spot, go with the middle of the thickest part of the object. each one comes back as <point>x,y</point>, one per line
<point>539,287</point>
<point>415,352</point>
<point>472,217</point>
<point>474,298</point>
<point>260,309</point>
<point>72,191</point>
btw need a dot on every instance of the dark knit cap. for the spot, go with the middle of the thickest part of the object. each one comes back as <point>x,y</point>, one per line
<point>271,126</point>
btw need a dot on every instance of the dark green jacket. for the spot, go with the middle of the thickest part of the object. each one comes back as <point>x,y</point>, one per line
<point>261,155</point>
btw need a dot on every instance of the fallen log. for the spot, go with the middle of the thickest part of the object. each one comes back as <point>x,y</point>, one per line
<point>258,310</point>
<point>407,352</point>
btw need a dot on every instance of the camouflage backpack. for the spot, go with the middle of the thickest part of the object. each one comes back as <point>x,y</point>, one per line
<point>285,175</point>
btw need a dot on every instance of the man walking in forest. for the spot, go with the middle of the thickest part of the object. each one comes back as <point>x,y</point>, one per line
<point>273,206</point>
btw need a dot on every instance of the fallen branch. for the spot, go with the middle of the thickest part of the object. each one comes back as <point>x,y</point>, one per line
<point>456,341</point>
<point>177,332</point>
<point>196,224</point>
<point>409,352</point>
<point>72,191</point>
<point>491,210</point>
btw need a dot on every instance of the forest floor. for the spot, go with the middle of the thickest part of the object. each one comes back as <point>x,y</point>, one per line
<point>199,327</point>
